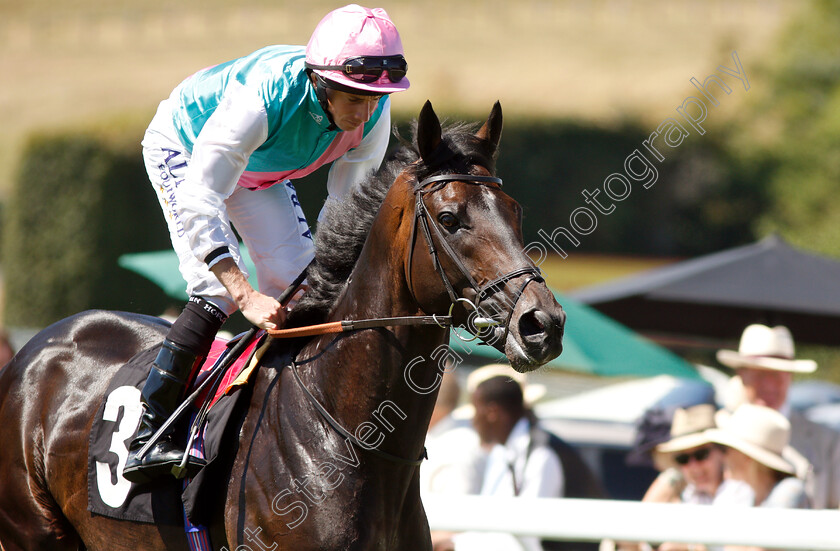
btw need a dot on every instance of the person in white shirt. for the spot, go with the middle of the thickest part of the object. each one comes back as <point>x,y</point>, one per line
<point>456,459</point>
<point>517,466</point>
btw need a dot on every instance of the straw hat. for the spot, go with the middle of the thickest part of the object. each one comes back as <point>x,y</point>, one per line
<point>688,428</point>
<point>764,347</point>
<point>758,432</point>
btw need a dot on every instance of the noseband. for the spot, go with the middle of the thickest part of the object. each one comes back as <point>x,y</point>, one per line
<point>421,218</point>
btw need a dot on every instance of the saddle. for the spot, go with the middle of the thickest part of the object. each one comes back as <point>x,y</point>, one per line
<point>165,500</point>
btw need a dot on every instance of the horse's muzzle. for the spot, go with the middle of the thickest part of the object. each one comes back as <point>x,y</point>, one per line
<point>535,333</point>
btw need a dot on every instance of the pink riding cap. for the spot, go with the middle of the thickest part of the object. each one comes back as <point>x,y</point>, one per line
<point>354,31</point>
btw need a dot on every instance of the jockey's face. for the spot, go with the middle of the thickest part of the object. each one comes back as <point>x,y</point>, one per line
<point>350,111</point>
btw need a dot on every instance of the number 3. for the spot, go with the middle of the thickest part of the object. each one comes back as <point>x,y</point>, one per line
<point>127,398</point>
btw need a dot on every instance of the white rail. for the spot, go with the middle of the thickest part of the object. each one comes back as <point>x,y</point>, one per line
<point>594,520</point>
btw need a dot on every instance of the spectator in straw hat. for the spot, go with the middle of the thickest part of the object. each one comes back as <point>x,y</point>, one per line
<point>531,393</point>
<point>693,468</point>
<point>754,438</point>
<point>765,363</point>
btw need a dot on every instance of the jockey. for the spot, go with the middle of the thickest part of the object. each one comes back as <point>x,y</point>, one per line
<point>222,150</point>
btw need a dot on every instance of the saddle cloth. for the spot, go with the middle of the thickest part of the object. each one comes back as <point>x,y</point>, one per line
<point>166,500</point>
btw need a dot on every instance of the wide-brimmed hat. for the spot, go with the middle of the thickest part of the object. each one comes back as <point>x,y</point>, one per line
<point>688,428</point>
<point>759,432</point>
<point>765,347</point>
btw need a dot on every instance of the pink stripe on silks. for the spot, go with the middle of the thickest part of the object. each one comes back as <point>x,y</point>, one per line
<point>341,144</point>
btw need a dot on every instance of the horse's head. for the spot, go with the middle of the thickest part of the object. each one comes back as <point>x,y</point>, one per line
<point>467,248</point>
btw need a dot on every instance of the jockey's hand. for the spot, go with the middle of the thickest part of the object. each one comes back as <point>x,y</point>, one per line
<point>263,311</point>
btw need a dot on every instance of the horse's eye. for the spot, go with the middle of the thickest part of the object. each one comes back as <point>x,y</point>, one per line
<point>448,220</point>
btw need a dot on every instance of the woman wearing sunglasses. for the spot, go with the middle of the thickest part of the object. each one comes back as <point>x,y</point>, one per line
<point>221,152</point>
<point>754,439</point>
<point>692,470</point>
<point>693,466</point>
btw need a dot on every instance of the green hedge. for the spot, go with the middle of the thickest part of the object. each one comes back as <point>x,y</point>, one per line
<point>82,199</point>
<point>702,200</point>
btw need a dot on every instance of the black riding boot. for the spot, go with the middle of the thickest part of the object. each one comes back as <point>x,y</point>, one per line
<point>160,397</point>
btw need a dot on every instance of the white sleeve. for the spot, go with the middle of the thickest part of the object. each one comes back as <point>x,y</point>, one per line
<point>352,167</point>
<point>543,475</point>
<point>220,154</point>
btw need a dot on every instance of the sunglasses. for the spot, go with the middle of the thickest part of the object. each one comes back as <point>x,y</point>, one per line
<point>700,455</point>
<point>369,68</point>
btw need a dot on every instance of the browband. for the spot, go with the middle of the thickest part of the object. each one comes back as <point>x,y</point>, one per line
<point>460,178</point>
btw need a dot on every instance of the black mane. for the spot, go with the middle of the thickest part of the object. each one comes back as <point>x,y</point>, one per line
<point>344,225</point>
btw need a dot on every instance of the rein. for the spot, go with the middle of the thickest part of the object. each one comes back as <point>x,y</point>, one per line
<point>347,434</point>
<point>356,325</point>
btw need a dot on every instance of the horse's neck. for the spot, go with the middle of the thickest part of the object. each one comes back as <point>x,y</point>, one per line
<point>391,370</point>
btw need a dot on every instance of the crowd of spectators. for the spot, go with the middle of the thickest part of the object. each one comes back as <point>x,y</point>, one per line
<point>751,450</point>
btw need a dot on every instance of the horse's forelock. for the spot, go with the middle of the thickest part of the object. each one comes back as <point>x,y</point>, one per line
<point>344,225</point>
<point>460,151</point>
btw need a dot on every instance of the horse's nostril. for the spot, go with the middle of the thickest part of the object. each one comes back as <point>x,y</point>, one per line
<point>532,323</point>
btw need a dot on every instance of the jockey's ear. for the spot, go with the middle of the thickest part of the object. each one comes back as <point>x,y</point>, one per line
<point>428,132</point>
<point>492,129</point>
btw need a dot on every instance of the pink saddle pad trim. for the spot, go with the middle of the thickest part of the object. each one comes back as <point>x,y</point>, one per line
<point>232,372</point>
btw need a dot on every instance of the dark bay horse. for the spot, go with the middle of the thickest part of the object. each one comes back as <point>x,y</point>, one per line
<point>432,230</point>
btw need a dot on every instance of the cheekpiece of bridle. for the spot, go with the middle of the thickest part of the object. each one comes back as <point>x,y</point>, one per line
<point>421,219</point>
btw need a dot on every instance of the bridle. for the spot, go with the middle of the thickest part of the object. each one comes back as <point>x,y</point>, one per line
<point>421,219</point>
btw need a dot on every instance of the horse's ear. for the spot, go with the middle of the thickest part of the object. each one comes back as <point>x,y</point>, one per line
<point>428,131</point>
<point>492,129</point>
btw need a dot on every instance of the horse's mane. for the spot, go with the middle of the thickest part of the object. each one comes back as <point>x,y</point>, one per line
<point>345,224</point>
